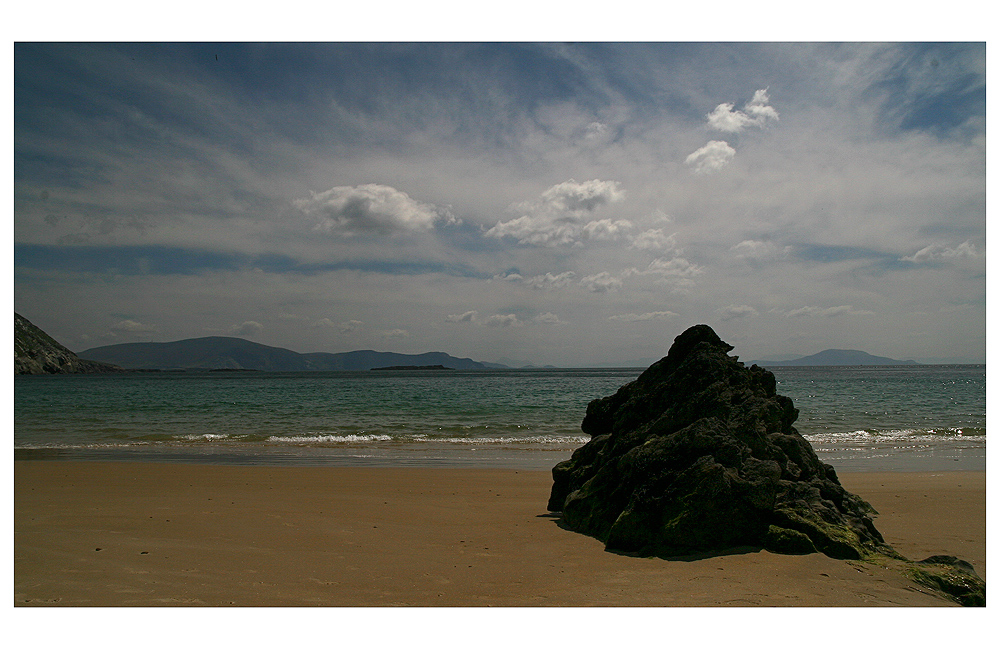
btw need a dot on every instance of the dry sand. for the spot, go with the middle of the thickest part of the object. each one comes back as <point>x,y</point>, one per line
<point>144,534</point>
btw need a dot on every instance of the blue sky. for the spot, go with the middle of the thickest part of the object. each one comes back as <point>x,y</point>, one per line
<point>567,204</point>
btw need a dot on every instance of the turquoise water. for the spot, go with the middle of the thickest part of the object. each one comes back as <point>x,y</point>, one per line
<point>910,418</point>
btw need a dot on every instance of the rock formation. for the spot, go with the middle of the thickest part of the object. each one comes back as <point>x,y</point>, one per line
<point>699,454</point>
<point>35,352</point>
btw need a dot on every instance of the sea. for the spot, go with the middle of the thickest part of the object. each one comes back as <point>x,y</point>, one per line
<point>866,418</point>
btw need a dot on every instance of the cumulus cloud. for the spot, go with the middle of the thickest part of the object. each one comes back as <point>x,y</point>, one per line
<point>601,282</point>
<point>828,312</point>
<point>606,229</point>
<point>394,333</point>
<point>717,154</point>
<point>642,317</point>
<point>549,318</point>
<point>349,326</point>
<point>757,112</point>
<point>370,209</point>
<point>548,280</point>
<point>468,316</point>
<point>248,328</point>
<point>655,240</point>
<point>574,197</point>
<point>507,320</point>
<point>560,215</point>
<point>937,252</point>
<point>737,311</point>
<point>710,158</point>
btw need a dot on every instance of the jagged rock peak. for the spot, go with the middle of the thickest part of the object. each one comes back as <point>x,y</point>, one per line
<point>699,454</point>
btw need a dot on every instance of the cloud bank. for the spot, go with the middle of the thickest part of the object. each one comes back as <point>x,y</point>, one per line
<point>329,197</point>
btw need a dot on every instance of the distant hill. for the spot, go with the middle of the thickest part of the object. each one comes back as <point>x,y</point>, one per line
<point>836,357</point>
<point>36,352</point>
<point>220,352</point>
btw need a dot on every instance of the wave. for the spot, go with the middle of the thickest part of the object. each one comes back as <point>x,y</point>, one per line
<point>899,434</point>
<point>424,438</point>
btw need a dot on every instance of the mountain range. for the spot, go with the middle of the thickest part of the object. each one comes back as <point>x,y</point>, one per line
<point>35,352</point>
<point>836,357</point>
<point>220,352</point>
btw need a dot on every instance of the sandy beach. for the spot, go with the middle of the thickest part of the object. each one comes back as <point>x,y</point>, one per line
<point>145,534</point>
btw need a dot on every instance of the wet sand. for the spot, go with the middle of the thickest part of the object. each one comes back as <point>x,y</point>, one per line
<point>145,534</point>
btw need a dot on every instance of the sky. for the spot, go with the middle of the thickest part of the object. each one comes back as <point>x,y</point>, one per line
<point>572,204</point>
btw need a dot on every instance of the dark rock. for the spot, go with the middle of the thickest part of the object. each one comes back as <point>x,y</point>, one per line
<point>35,352</point>
<point>699,454</point>
<point>952,576</point>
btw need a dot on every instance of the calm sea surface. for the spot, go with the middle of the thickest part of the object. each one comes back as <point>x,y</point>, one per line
<point>930,417</point>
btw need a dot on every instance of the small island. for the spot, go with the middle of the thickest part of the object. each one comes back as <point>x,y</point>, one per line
<point>412,367</point>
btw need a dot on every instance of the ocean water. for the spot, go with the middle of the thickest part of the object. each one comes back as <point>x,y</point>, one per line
<point>928,417</point>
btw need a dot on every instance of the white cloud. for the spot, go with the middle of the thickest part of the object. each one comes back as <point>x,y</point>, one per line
<point>349,326</point>
<point>468,316</point>
<point>394,333</point>
<point>760,110</point>
<point>508,320</point>
<point>601,282</point>
<point>370,209</point>
<point>606,229</point>
<point>756,112</point>
<point>676,267</point>
<point>549,318</point>
<point>595,130</point>
<point>655,240</point>
<point>736,311</point>
<point>659,216</point>
<point>829,312</point>
<point>558,217</point>
<point>548,280</point>
<point>710,158</point>
<point>937,252</point>
<point>324,323</point>
<point>717,154</point>
<point>574,197</point>
<point>249,328</point>
<point>642,317</point>
<point>131,326</point>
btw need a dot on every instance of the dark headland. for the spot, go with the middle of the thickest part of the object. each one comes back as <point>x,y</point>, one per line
<point>36,352</point>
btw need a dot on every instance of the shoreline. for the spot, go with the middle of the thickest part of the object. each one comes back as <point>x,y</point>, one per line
<point>91,533</point>
<point>486,457</point>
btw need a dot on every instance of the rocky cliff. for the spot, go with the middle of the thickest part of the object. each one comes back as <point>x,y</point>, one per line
<point>35,352</point>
